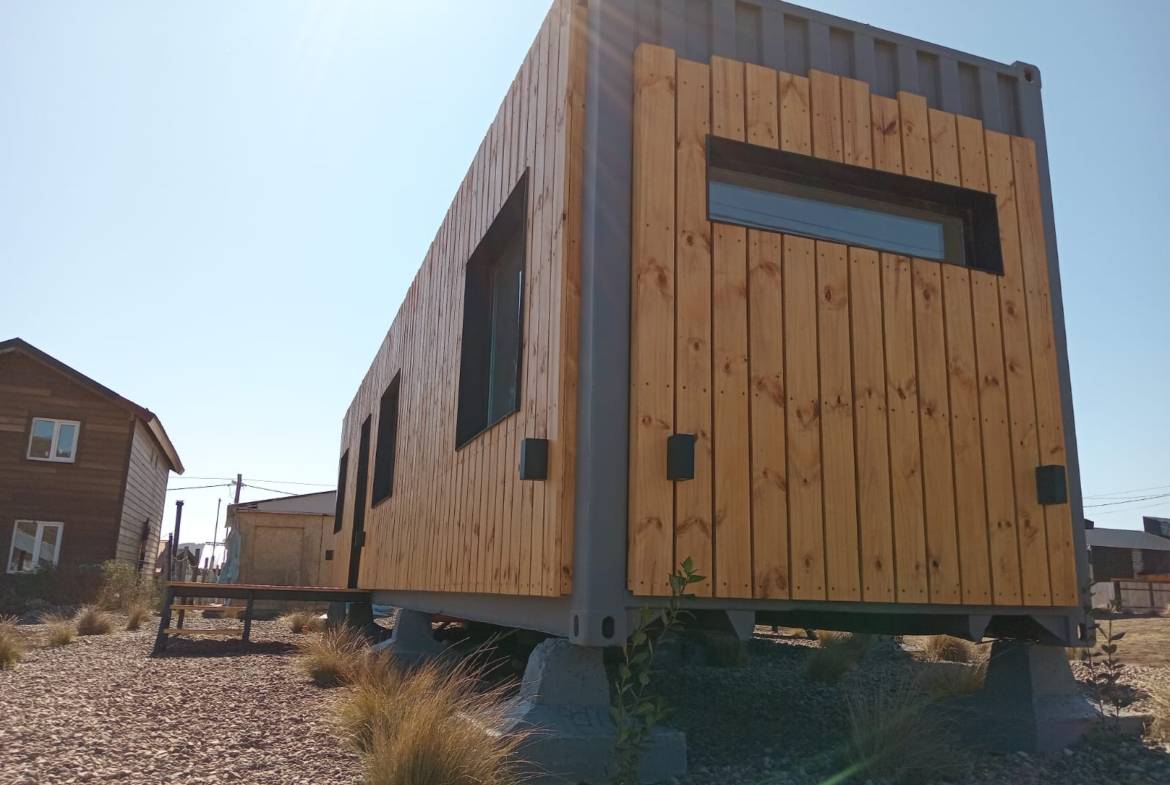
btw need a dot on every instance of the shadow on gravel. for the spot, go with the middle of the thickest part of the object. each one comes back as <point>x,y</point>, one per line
<point>178,648</point>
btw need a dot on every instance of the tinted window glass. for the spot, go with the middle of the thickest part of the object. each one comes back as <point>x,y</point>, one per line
<point>493,321</point>
<point>42,439</point>
<point>812,212</point>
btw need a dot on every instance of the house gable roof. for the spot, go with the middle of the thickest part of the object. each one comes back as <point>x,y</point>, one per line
<point>1125,538</point>
<point>149,418</point>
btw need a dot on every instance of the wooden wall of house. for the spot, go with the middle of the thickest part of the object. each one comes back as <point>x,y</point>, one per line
<point>144,500</point>
<point>86,496</point>
<point>283,549</point>
<point>461,520</point>
<point>868,424</point>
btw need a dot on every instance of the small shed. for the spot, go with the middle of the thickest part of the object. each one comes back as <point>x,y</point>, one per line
<point>279,542</point>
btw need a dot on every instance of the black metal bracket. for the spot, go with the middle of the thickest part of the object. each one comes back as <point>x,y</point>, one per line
<point>1051,485</point>
<point>680,457</point>
<point>534,459</point>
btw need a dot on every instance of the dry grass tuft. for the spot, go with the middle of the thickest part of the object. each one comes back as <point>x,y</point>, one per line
<point>951,681</point>
<point>335,657</point>
<point>92,620</point>
<point>836,653</point>
<point>61,630</point>
<point>1160,710</point>
<point>11,648</point>
<point>895,734</point>
<point>944,648</point>
<point>430,726</point>
<point>302,621</point>
<point>8,623</point>
<point>136,614</point>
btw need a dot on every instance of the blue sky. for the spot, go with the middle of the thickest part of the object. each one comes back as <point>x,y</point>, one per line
<point>215,209</point>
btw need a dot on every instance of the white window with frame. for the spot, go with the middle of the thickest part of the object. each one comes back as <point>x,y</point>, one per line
<point>35,545</point>
<point>53,440</point>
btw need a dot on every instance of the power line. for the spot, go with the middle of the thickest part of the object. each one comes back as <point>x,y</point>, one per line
<point>1130,501</point>
<point>197,487</point>
<point>1115,494</point>
<point>292,482</point>
<point>269,490</point>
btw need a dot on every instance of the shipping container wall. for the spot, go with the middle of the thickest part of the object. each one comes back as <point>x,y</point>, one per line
<point>461,520</point>
<point>868,425</point>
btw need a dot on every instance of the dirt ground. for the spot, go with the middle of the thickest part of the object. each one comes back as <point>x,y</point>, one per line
<point>1146,641</point>
<point>101,711</point>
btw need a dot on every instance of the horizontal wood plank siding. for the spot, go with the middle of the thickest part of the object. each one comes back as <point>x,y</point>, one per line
<point>895,408</point>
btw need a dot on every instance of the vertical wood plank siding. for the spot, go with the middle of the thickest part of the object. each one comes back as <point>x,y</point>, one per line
<point>867,424</point>
<point>461,520</point>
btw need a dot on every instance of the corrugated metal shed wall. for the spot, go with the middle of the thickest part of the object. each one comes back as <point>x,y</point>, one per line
<point>795,39</point>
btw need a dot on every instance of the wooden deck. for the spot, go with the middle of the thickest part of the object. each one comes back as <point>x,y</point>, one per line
<point>249,592</point>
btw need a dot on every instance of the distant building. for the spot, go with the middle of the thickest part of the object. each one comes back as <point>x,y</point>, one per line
<point>280,542</point>
<point>83,471</point>
<point>1129,553</point>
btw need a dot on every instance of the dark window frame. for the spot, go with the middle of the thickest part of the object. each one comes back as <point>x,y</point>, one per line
<point>382,487</point>
<point>342,479</point>
<point>474,416</point>
<point>976,210</point>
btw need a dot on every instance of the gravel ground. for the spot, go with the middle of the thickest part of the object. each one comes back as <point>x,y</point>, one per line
<point>101,711</point>
<point>767,723</point>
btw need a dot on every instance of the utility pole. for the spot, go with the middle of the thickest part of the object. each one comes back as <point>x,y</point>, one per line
<point>239,482</point>
<point>175,536</point>
<point>215,536</point>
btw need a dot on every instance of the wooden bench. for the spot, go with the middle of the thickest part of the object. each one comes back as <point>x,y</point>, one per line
<point>183,596</point>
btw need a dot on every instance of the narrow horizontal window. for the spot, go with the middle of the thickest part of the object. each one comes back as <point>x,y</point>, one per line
<point>53,440</point>
<point>764,188</point>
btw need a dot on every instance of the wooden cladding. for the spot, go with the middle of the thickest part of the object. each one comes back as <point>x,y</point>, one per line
<point>462,520</point>
<point>867,425</point>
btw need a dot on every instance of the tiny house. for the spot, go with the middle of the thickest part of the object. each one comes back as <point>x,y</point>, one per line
<point>745,283</point>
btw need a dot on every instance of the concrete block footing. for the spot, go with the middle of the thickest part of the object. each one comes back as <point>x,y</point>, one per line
<point>1030,701</point>
<point>413,640</point>
<point>564,702</point>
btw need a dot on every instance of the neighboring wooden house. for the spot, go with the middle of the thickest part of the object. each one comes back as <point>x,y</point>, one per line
<point>745,283</point>
<point>280,542</point>
<point>1128,553</point>
<point>83,471</point>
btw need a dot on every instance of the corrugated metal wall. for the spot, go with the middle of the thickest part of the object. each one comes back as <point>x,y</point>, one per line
<point>794,39</point>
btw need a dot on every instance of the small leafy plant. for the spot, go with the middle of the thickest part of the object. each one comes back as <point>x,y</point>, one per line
<point>1105,671</point>
<point>636,708</point>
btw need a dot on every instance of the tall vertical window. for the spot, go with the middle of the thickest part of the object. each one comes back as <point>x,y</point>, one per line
<point>493,315</point>
<point>53,440</point>
<point>342,477</point>
<point>35,545</point>
<point>387,443</point>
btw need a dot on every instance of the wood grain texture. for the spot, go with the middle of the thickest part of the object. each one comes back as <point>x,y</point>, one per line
<point>905,441</point>
<point>693,500</point>
<point>803,420</point>
<point>651,340</point>
<point>769,464</point>
<point>839,487</point>
<point>1030,525</point>
<point>1046,378</point>
<point>729,346</point>
<point>871,417</point>
<point>460,520</point>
